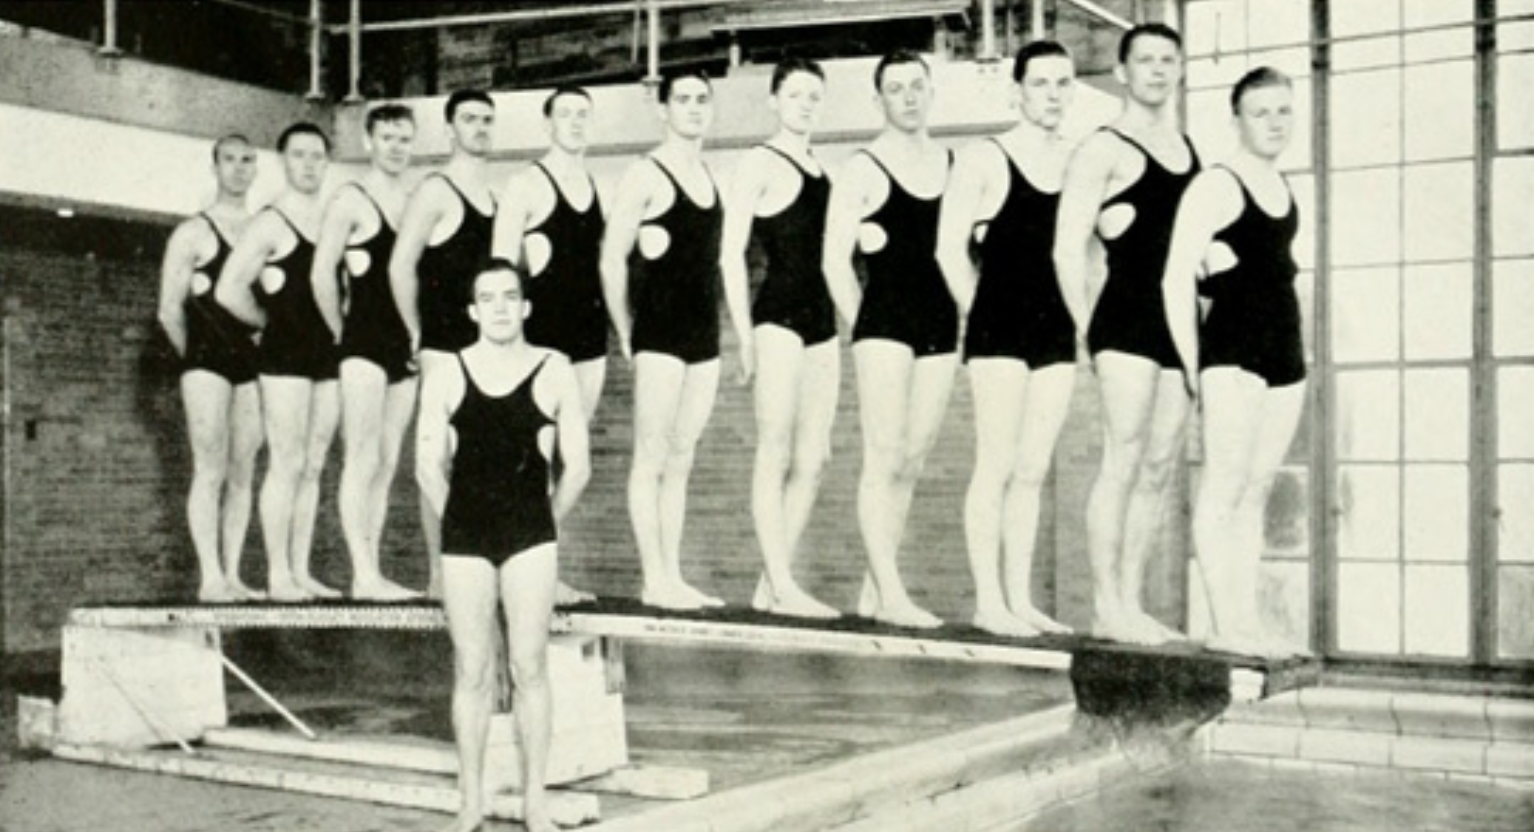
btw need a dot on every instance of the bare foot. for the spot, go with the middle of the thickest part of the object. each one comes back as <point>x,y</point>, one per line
<point>1144,621</point>
<point>907,615</point>
<point>703,599</point>
<point>241,592</point>
<point>566,595</point>
<point>434,587</point>
<point>382,589</point>
<point>901,612</point>
<point>670,597</point>
<point>1003,623</point>
<point>287,592</point>
<point>215,592</point>
<point>315,588</point>
<point>1117,626</point>
<point>1041,622</point>
<point>791,601</point>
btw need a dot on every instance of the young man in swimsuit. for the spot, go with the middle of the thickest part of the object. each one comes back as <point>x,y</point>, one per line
<point>1020,342</point>
<point>1120,195</point>
<point>666,313</point>
<point>550,224</point>
<point>445,233</point>
<point>779,196</point>
<point>223,405</point>
<point>378,383</point>
<point>490,418</point>
<point>1236,229</point>
<point>905,324</point>
<point>268,283</point>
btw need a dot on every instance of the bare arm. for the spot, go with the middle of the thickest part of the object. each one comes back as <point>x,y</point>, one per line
<point>440,394</point>
<point>1211,203</point>
<point>176,283</point>
<point>574,442</point>
<point>747,187</point>
<point>617,242</point>
<point>1086,184</point>
<point>336,229</point>
<point>513,212</point>
<point>422,213</point>
<point>850,195</point>
<point>962,203</point>
<point>243,268</point>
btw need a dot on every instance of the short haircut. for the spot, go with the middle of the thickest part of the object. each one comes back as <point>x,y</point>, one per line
<point>1147,30</point>
<point>896,58</point>
<point>228,139</point>
<point>462,97</point>
<point>388,113</point>
<point>788,66</point>
<point>491,265</point>
<point>1259,78</point>
<point>561,91</point>
<point>1036,49</point>
<point>302,128</point>
<point>669,80</point>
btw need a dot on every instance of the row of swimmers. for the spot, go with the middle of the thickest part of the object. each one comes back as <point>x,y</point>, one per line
<point>336,307</point>
<point>501,302</point>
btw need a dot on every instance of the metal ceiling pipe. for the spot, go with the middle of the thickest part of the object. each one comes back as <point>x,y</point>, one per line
<point>316,43</point>
<point>527,15</point>
<point>109,28</point>
<point>354,52</point>
<point>987,30</point>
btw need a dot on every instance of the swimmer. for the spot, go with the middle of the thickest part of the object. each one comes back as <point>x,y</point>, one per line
<point>1020,342</point>
<point>218,389</point>
<point>905,326</point>
<point>1121,190</point>
<point>778,197</point>
<point>267,283</point>
<point>1236,228</point>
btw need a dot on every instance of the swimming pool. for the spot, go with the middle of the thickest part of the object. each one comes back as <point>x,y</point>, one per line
<point>1216,795</point>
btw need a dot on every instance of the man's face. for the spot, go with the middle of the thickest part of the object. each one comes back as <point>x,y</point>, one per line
<point>304,160</point>
<point>498,306</point>
<point>689,110</point>
<point>1048,85</point>
<point>471,126</point>
<point>234,166</point>
<point>569,117</point>
<point>390,143</point>
<point>798,100</point>
<point>1265,120</point>
<point>1152,69</point>
<point>906,95</point>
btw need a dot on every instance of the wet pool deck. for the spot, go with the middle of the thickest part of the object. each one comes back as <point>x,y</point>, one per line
<point>746,717</point>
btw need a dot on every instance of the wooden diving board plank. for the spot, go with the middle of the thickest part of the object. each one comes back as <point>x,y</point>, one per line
<point>432,793</point>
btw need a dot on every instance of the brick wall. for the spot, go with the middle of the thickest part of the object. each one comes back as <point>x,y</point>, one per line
<point>98,465</point>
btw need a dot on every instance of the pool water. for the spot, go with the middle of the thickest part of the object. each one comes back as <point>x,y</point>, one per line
<point>1238,796</point>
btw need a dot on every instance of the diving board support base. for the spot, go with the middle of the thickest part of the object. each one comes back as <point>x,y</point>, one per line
<point>129,687</point>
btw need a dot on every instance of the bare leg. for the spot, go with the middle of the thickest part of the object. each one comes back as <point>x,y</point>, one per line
<point>207,398</point>
<point>324,417</point>
<point>432,361</point>
<point>1232,409</point>
<point>1148,500</point>
<point>591,376</point>
<point>820,382</point>
<point>246,435</point>
<point>1128,387</point>
<point>285,407</point>
<point>469,597</point>
<point>998,386</point>
<point>527,594</point>
<point>700,383</point>
<point>901,402</point>
<point>1046,403</point>
<point>1280,417</point>
<point>657,390</point>
<point>377,415</point>
<point>779,370</point>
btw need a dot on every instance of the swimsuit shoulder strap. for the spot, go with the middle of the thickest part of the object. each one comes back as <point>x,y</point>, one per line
<point>791,160</point>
